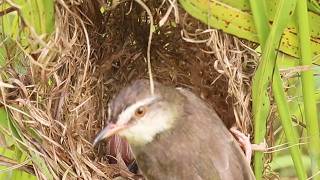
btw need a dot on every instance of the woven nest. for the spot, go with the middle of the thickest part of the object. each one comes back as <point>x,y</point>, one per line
<point>92,55</point>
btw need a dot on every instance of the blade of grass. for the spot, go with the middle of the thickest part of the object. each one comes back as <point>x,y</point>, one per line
<point>39,14</point>
<point>285,117</point>
<point>35,20</point>
<point>37,159</point>
<point>262,78</point>
<point>260,118</point>
<point>36,14</point>
<point>308,86</point>
<point>13,153</point>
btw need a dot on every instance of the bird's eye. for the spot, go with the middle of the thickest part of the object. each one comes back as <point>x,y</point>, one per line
<point>140,112</point>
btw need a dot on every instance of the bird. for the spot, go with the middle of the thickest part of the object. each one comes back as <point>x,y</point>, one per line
<point>174,134</point>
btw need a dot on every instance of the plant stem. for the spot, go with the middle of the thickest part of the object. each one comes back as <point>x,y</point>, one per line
<point>308,86</point>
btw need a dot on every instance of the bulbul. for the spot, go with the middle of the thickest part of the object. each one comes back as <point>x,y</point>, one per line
<point>175,135</point>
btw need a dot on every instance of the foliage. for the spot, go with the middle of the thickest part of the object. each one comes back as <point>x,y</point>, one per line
<point>25,25</point>
<point>293,30</point>
<point>287,31</point>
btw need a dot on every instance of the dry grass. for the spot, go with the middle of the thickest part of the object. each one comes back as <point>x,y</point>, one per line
<point>65,91</point>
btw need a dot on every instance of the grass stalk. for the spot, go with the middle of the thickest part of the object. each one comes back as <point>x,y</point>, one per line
<point>269,39</point>
<point>286,122</point>
<point>308,86</point>
<point>260,20</point>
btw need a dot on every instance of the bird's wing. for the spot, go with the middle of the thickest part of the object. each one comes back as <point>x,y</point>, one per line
<point>215,139</point>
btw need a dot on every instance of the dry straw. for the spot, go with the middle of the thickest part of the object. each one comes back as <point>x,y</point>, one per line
<point>63,96</point>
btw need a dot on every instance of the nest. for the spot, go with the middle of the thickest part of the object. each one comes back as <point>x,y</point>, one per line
<point>93,54</point>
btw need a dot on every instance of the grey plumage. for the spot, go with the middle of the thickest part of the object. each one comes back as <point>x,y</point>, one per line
<point>198,146</point>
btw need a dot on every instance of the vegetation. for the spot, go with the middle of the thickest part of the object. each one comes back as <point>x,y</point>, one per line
<point>49,49</point>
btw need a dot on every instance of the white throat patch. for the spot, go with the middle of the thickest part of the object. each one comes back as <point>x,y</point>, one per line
<point>145,128</point>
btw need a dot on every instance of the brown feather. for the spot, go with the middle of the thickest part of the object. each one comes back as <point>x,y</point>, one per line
<point>198,147</point>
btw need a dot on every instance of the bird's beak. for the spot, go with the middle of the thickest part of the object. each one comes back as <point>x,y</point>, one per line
<point>108,131</point>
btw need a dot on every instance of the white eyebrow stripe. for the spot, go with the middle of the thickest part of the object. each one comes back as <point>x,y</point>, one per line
<point>126,115</point>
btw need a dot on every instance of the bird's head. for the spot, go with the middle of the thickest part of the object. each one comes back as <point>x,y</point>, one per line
<point>137,115</point>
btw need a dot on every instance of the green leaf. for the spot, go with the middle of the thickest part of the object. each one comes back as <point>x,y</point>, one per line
<point>12,153</point>
<point>36,18</point>
<point>15,174</point>
<point>36,158</point>
<point>234,17</point>
<point>308,87</point>
<point>268,72</point>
